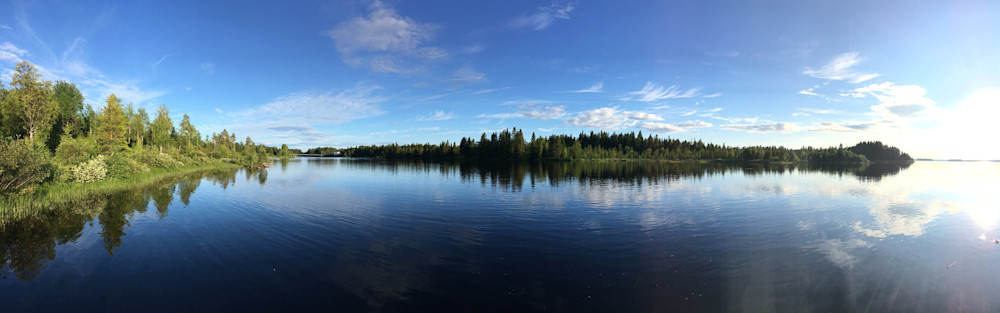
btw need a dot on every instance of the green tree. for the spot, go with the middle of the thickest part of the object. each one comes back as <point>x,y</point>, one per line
<point>68,118</point>
<point>161,128</point>
<point>187,131</point>
<point>112,126</point>
<point>32,100</point>
<point>138,126</point>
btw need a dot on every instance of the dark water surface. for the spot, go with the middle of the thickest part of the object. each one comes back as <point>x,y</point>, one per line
<point>359,235</point>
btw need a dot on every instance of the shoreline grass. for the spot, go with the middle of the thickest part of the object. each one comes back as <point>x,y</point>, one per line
<point>50,195</point>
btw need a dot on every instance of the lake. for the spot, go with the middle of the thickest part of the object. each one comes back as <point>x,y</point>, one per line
<point>325,234</point>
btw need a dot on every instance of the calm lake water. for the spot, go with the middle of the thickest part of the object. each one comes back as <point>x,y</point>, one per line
<point>349,235</point>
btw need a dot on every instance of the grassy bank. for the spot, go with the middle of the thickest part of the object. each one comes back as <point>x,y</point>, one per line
<point>51,195</point>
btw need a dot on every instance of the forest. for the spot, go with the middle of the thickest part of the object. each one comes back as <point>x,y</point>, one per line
<point>512,145</point>
<point>48,136</point>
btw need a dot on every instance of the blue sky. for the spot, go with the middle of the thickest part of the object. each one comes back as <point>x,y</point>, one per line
<point>921,75</point>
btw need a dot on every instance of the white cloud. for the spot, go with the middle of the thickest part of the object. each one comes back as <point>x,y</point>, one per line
<point>436,116</point>
<point>642,116</point>
<point>764,127</point>
<point>542,113</point>
<point>596,87</point>
<point>386,41</point>
<point>897,100</point>
<point>819,111</point>
<point>602,118</point>
<point>10,52</point>
<point>531,110</point>
<point>5,26</point>
<point>543,17</point>
<point>808,93</point>
<point>673,128</point>
<point>652,92</point>
<point>841,68</point>
<point>611,118</point>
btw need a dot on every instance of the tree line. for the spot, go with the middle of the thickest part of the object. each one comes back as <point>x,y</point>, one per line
<point>47,134</point>
<point>512,145</point>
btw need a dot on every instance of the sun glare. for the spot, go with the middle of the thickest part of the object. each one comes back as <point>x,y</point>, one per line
<point>965,130</point>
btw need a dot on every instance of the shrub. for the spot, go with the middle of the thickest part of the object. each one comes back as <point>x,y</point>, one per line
<point>163,160</point>
<point>90,171</point>
<point>72,151</point>
<point>122,165</point>
<point>22,165</point>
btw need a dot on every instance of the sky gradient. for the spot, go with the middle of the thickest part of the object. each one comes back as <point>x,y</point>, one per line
<point>920,75</point>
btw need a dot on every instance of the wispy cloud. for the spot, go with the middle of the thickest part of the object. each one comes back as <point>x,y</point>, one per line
<point>96,90</point>
<point>807,111</point>
<point>320,107</point>
<point>897,100</point>
<point>841,68</point>
<point>531,110</point>
<point>386,41</point>
<point>5,26</point>
<point>542,17</point>
<point>486,91</point>
<point>653,92</point>
<point>301,118</point>
<point>436,116</point>
<point>764,127</point>
<point>207,68</point>
<point>157,63</point>
<point>673,128</point>
<point>596,87</point>
<point>837,127</point>
<point>467,75</point>
<point>10,52</point>
<point>304,134</point>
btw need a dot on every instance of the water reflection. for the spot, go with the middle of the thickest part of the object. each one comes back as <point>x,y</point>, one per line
<point>29,243</point>
<point>369,235</point>
<point>514,175</point>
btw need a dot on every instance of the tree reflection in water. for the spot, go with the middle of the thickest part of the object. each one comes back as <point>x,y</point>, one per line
<point>28,244</point>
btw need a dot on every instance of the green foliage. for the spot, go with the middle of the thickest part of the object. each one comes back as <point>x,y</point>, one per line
<point>91,171</point>
<point>112,126</point>
<point>163,160</point>
<point>30,104</point>
<point>120,166</point>
<point>22,164</point>
<point>162,127</point>
<point>507,145</point>
<point>876,151</point>
<point>72,151</point>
